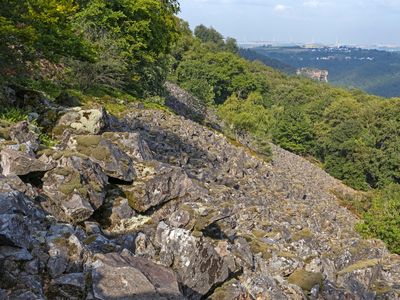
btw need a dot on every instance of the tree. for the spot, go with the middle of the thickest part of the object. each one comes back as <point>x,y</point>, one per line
<point>231,45</point>
<point>209,35</point>
<point>30,30</point>
<point>294,131</point>
<point>382,220</point>
<point>143,31</point>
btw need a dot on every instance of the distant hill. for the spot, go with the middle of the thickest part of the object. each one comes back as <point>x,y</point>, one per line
<point>374,71</point>
<point>271,62</point>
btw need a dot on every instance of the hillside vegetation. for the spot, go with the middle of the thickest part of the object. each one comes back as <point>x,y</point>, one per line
<point>373,71</point>
<point>127,49</point>
<point>355,136</point>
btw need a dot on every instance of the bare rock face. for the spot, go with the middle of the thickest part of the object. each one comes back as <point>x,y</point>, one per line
<point>114,162</point>
<point>126,277</point>
<point>81,121</point>
<point>15,162</point>
<point>156,183</point>
<point>75,188</point>
<point>197,264</point>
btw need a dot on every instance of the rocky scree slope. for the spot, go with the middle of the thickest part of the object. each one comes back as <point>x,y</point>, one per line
<point>155,206</point>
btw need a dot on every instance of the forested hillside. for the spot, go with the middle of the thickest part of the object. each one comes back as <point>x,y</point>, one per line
<point>101,50</point>
<point>373,71</point>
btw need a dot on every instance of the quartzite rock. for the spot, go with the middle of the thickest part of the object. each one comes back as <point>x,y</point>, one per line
<point>126,277</point>
<point>131,143</point>
<point>114,162</point>
<point>197,264</point>
<point>81,121</point>
<point>23,132</point>
<point>156,183</point>
<point>76,187</point>
<point>19,163</point>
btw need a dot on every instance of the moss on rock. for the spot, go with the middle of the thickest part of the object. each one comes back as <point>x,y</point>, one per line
<point>306,280</point>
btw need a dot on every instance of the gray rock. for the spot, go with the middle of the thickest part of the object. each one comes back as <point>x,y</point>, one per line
<point>156,183</point>
<point>76,187</point>
<point>126,277</point>
<point>14,183</point>
<point>197,264</point>
<point>114,162</point>
<point>23,132</point>
<point>66,254</point>
<point>17,254</point>
<point>19,163</point>
<point>131,143</point>
<point>119,211</point>
<point>70,286</point>
<point>19,219</point>
<point>180,218</point>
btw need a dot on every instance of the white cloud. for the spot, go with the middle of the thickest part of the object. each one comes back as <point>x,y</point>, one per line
<point>280,7</point>
<point>314,3</point>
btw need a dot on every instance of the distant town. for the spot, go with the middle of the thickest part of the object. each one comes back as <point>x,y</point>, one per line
<point>253,44</point>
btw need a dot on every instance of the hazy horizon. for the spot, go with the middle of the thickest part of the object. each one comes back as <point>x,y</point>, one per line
<point>372,22</point>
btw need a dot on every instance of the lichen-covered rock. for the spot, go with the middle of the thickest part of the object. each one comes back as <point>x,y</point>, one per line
<point>130,143</point>
<point>197,264</point>
<point>70,286</point>
<point>156,183</point>
<point>81,121</point>
<point>114,162</point>
<point>23,132</point>
<point>120,210</point>
<point>19,218</point>
<point>65,255</point>
<point>75,188</point>
<point>14,183</point>
<point>123,276</point>
<point>15,162</point>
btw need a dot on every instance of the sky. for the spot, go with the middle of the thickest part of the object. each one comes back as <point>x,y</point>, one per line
<point>360,22</point>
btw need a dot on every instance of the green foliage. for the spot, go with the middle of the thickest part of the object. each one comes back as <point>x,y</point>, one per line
<point>294,131</point>
<point>378,75</point>
<point>382,220</point>
<point>141,33</point>
<point>30,30</point>
<point>209,35</point>
<point>213,77</point>
<point>13,115</point>
<point>356,137</point>
<point>214,40</point>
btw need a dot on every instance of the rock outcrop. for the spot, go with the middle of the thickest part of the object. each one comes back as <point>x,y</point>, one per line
<point>156,206</point>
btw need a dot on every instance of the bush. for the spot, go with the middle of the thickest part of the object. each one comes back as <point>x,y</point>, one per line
<point>382,220</point>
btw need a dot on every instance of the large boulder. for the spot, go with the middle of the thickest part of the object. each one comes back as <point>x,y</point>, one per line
<point>131,143</point>
<point>15,162</point>
<point>198,265</point>
<point>156,183</point>
<point>82,121</point>
<point>75,188</point>
<point>19,218</point>
<point>114,162</point>
<point>122,276</point>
